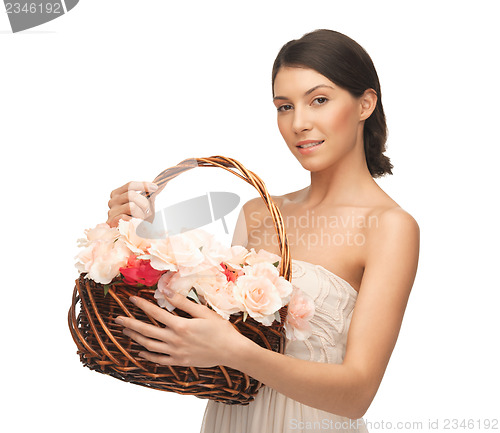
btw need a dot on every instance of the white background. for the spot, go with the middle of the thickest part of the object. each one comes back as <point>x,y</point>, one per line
<point>119,90</point>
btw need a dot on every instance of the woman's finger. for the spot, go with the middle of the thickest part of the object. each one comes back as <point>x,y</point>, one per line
<point>113,221</point>
<point>130,200</point>
<point>130,208</point>
<point>157,358</point>
<point>149,343</point>
<point>146,329</point>
<point>156,312</point>
<point>130,197</point>
<point>194,309</point>
<point>149,187</point>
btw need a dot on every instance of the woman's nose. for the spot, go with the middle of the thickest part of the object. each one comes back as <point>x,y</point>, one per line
<point>301,121</point>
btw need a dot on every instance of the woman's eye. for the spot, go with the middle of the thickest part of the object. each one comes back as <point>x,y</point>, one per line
<point>284,107</point>
<point>320,101</point>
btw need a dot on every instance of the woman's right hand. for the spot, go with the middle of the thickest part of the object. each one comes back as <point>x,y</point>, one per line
<point>126,202</point>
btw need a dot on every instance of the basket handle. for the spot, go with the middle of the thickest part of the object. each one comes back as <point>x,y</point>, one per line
<point>230,164</point>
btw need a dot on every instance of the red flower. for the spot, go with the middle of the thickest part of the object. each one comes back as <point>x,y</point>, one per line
<point>231,273</point>
<point>140,272</point>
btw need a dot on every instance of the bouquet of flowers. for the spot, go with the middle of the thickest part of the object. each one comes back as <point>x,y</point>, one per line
<point>229,280</point>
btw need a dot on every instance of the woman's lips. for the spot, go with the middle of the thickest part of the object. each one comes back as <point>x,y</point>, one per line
<point>311,146</point>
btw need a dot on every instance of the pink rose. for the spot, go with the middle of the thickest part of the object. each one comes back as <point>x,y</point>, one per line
<point>102,232</point>
<point>162,255</point>
<point>259,297</point>
<point>214,287</point>
<point>185,252</point>
<point>138,244</point>
<point>236,256</point>
<point>300,311</point>
<point>269,271</point>
<point>253,258</point>
<point>101,260</point>
<point>209,280</point>
<point>172,282</point>
<point>222,300</point>
<point>214,251</point>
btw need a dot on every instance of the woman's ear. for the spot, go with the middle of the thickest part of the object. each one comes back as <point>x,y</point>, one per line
<point>368,102</point>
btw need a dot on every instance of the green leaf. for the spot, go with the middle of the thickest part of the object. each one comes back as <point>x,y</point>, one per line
<point>276,263</point>
<point>106,288</point>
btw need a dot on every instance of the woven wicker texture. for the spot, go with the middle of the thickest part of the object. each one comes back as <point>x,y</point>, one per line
<point>104,348</point>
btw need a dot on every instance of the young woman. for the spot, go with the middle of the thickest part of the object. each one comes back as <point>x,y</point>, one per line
<point>354,250</point>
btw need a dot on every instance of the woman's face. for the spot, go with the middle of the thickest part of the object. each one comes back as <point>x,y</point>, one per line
<point>319,121</point>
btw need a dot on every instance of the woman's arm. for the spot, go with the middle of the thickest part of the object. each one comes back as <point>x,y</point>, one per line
<point>345,389</point>
<point>348,389</point>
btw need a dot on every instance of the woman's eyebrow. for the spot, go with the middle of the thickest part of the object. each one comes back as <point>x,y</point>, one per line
<point>307,93</point>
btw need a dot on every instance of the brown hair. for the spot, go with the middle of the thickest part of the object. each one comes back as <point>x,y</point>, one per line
<point>344,62</point>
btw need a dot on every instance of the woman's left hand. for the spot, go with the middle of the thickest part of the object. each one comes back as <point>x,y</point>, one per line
<point>206,340</point>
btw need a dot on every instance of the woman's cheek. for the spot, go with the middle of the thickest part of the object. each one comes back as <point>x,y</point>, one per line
<point>342,118</point>
<point>285,132</point>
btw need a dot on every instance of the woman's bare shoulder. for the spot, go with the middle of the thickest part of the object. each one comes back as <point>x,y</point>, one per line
<point>389,212</point>
<point>393,225</point>
<point>388,224</point>
<point>257,204</point>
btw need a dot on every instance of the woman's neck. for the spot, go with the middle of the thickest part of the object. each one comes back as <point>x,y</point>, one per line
<point>340,184</point>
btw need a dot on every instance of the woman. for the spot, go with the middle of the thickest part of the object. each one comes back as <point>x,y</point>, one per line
<point>352,246</point>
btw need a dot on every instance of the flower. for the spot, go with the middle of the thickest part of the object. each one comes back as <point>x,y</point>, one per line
<point>253,258</point>
<point>214,252</point>
<point>186,253</point>
<point>175,283</point>
<point>102,232</point>
<point>138,234</point>
<point>259,297</point>
<point>231,273</point>
<point>161,255</point>
<point>140,272</point>
<point>102,260</point>
<point>269,271</point>
<point>236,256</point>
<point>218,292</point>
<point>230,280</point>
<point>300,311</point>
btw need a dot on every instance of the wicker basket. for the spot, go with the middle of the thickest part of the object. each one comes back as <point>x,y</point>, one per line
<point>104,348</point>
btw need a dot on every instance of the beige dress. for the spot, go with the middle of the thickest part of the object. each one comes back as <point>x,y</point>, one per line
<point>272,412</point>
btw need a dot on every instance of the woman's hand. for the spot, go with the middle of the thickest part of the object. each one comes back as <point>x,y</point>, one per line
<point>206,340</point>
<point>127,202</point>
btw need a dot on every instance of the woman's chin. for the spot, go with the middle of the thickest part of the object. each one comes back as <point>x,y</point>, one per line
<point>312,166</point>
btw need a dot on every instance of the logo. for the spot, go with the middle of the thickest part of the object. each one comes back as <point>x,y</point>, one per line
<point>194,213</point>
<point>24,15</point>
